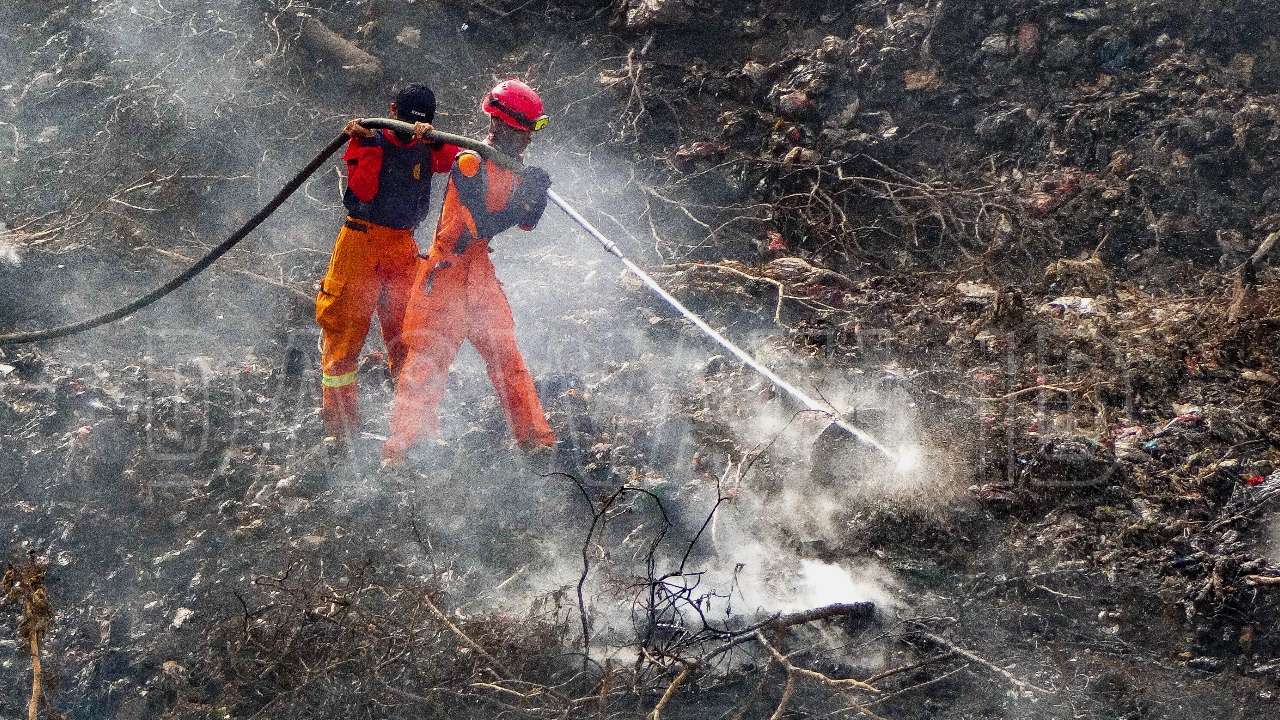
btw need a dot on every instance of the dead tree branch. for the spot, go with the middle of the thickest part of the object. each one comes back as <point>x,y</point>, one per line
<point>25,583</point>
<point>322,41</point>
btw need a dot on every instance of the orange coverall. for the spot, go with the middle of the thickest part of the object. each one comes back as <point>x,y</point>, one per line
<point>457,296</point>
<point>373,263</point>
<point>370,270</point>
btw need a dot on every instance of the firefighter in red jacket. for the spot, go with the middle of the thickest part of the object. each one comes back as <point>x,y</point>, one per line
<point>387,196</point>
<point>456,294</point>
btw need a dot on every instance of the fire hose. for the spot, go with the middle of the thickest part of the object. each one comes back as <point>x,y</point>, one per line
<point>498,157</point>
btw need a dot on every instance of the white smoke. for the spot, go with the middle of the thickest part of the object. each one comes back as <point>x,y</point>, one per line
<point>819,583</point>
<point>8,251</point>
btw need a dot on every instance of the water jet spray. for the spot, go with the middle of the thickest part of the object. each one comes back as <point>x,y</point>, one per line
<point>900,459</point>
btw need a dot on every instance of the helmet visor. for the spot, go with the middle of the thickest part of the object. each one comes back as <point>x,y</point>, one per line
<point>530,124</point>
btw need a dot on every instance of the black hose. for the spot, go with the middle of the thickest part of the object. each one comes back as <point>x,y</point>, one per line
<point>497,157</point>
<point>212,256</point>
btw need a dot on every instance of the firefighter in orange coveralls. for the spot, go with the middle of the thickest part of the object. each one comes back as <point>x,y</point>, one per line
<point>456,294</point>
<point>387,196</point>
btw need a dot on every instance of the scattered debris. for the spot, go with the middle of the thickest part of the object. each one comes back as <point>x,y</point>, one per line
<point>348,58</point>
<point>917,80</point>
<point>1056,191</point>
<point>410,37</point>
<point>181,617</point>
<point>795,104</point>
<point>1081,305</point>
<point>642,15</point>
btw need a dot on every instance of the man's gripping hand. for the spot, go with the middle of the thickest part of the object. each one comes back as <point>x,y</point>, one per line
<point>356,130</point>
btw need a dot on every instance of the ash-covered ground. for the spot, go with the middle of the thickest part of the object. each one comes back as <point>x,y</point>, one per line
<point>1023,243</point>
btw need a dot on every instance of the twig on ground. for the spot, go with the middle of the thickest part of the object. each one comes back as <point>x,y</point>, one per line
<point>1028,391</point>
<point>1021,685</point>
<point>293,292</point>
<point>794,672</point>
<point>670,692</point>
<point>784,621</point>
<point>918,686</point>
<point>25,583</point>
<point>495,667</point>
<point>1262,579</point>
<point>843,684</point>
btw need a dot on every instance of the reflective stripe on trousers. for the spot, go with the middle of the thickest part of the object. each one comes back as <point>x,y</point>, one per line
<point>336,381</point>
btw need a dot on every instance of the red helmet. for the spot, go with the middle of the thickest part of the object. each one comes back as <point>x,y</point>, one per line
<point>516,104</point>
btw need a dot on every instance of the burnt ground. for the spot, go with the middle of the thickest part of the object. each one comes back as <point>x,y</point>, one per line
<point>1014,234</point>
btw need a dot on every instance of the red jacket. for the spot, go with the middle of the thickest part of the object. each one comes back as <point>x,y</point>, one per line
<point>389,181</point>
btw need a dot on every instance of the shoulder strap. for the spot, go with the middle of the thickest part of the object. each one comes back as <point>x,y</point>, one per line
<point>470,179</point>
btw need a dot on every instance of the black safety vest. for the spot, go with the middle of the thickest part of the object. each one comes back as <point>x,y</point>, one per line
<point>404,184</point>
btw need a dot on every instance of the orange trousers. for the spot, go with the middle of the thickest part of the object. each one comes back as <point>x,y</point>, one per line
<point>457,297</point>
<point>371,270</point>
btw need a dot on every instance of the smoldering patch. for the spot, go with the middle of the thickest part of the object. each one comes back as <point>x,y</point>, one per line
<point>8,250</point>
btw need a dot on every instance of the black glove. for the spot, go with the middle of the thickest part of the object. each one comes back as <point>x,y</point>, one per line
<point>534,184</point>
<point>533,212</point>
<point>536,180</point>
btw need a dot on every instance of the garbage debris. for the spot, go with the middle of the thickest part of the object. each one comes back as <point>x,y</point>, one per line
<point>1081,305</point>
